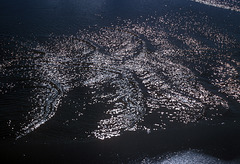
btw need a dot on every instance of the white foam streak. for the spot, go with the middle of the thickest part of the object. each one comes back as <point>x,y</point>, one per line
<point>224,4</point>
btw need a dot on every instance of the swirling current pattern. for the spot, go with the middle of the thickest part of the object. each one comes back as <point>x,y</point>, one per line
<point>127,74</point>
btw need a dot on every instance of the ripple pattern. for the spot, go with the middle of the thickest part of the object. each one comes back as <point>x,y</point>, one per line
<point>158,70</point>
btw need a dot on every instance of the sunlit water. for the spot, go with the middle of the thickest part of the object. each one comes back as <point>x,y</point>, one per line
<point>140,75</point>
<point>225,4</point>
<point>185,157</point>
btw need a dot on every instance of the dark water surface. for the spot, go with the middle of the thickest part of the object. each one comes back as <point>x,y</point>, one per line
<point>107,81</point>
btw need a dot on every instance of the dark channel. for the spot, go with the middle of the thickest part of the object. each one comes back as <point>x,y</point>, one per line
<point>120,81</point>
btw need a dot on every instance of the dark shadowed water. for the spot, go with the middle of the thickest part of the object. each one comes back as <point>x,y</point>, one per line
<point>127,81</point>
